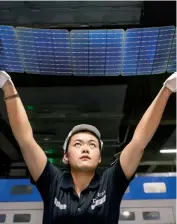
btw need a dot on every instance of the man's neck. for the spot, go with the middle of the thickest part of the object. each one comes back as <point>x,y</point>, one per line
<point>81,180</point>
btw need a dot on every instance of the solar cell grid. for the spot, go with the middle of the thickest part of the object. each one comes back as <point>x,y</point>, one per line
<point>172,57</point>
<point>96,52</point>
<point>146,50</point>
<point>80,52</point>
<point>106,52</point>
<point>9,53</point>
<point>163,48</point>
<point>114,51</point>
<point>45,51</point>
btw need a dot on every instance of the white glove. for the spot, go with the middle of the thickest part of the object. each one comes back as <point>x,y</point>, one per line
<point>4,77</point>
<point>170,83</point>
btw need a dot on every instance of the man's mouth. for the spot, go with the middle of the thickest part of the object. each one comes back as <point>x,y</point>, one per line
<point>85,157</point>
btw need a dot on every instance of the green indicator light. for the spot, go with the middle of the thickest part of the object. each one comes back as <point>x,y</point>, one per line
<point>49,151</point>
<point>51,160</point>
<point>30,107</point>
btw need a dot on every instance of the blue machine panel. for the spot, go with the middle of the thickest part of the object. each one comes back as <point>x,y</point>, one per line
<point>146,50</point>
<point>136,190</point>
<point>45,51</point>
<point>9,53</point>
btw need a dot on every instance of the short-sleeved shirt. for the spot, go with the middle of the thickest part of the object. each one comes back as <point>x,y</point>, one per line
<point>99,203</point>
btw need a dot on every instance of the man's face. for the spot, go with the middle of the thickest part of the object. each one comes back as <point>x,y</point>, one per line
<point>83,152</point>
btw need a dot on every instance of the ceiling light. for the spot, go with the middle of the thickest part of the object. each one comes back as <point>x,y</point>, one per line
<point>126,213</point>
<point>168,151</point>
<point>46,139</point>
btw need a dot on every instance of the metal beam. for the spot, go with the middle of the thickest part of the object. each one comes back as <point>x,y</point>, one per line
<point>64,116</point>
<point>151,169</point>
<point>158,163</point>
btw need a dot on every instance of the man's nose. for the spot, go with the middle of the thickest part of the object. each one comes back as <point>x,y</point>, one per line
<point>85,149</point>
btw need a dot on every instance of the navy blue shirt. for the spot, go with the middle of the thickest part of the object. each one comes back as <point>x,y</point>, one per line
<point>99,203</point>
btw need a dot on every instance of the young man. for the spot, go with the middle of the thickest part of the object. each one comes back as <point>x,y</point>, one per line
<point>81,195</point>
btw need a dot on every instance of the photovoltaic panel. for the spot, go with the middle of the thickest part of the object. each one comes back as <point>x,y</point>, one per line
<point>26,42</point>
<point>9,54</point>
<point>106,52</point>
<point>96,52</point>
<point>62,51</point>
<point>132,43</point>
<point>172,58</point>
<point>163,48</point>
<point>148,46</point>
<point>146,50</point>
<point>45,51</point>
<point>114,51</point>
<point>80,52</point>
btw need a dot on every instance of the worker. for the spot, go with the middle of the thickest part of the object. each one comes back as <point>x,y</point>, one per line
<point>81,195</point>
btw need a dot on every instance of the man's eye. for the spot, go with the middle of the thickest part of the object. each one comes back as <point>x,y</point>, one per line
<point>93,145</point>
<point>77,144</point>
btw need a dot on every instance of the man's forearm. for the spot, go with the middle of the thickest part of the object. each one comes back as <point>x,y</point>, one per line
<point>16,113</point>
<point>151,118</point>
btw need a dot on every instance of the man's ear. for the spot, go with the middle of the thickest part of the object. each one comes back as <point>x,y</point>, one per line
<point>65,157</point>
<point>100,159</point>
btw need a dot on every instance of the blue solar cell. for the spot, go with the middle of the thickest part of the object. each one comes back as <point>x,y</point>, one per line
<point>163,48</point>
<point>114,50</point>
<point>146,50</point>
<point>96,52</point>
<point>26,42</point>
<point>172,58</point>
<point>62,52</point>
<point>45,51</point>
<point>80,52</point>
<point>141,51</point>
<point>132,43</point>
<point>9,52</point>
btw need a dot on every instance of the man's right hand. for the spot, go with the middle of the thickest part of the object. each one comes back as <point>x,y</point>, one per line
<point>4,77</point>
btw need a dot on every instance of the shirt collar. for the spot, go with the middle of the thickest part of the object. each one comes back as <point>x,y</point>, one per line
<point>67,181</point>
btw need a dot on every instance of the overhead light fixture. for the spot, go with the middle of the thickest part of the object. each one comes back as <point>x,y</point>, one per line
<point>168,151</point>
<point>84,25</point>
<point>46,139</point>
<point>126,213</point>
